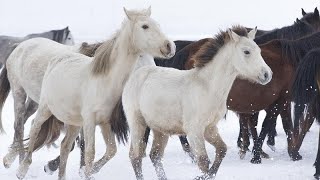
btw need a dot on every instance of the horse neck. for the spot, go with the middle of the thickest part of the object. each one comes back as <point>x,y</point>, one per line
<point>124,57</point>
<point>266,37</point>
<point>212,73</point>
<point>48,35</point>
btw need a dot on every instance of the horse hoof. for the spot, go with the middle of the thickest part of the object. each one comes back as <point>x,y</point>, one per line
<point>21,172</point>
<point>48,170</point>
<point>242,154</point>
<point>272,147</point>
<point>205,177</point>
<point>296,157</point>
<point>256,161</point>
<point>8,160</point>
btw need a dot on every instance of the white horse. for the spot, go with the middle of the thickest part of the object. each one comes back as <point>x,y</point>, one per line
<point>193,100</point>
<point>23,74</point>
<point>82,92</point>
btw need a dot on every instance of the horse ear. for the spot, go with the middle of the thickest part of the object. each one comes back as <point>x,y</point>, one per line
<point>316,12</point>
<point>233,36</point>
<point>297,20</point>
<point>128,13</point>
<point>303,12</point>
<point>67,28</point>
<point>252,33</point>
<point>148,11</point>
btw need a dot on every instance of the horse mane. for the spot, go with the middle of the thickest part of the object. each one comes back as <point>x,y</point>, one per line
<point>89,49</point>
<point>209,49</point>
<point>102,57</point>
<point>184,50</point>
<point>297,30</point>
<point>294,50</point>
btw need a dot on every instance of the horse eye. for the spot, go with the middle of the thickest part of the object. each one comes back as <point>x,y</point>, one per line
<point>145,26</point>
<point>246,52</point>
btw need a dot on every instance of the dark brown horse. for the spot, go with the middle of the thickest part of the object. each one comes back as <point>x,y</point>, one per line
<point>306,88</point>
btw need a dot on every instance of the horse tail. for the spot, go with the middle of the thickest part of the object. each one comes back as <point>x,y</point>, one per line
<point>89,49</point>
<point>305,89</point>
<point>4,91</point>
<point>119,124</point>
<point>50,132</point>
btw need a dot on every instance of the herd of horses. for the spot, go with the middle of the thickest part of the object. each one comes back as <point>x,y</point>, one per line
<point>130,80</point>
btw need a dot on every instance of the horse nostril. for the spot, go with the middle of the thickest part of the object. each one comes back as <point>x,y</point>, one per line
<point>169,46</point>
<point>266,75</point>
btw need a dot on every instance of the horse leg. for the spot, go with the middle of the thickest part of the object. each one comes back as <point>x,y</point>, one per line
<point>145,140</point>
<point>257,148</point>
<point>16,148</point>
<point>213,137</point>
<point>253,122</point>
<point>109,139</point>
<point>239,141</point>
<point>89,128</point>
<point>43,115</point>
<point>82,146</point>
<point>31,108</point>
<point>244,118</point>
<point>137,130</point>
<point>53,165</point>
<point>197,143</point>
<point>66,146</point>
<point>160,141</point>
<point>288,128</point>
<point>317,163</point>
<point>186,147</point>
<point>271,135</point>
<point>305,126</point>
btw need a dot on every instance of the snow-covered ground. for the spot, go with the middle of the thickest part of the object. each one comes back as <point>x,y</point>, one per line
<point>177,164</point>
<point>180,19</point>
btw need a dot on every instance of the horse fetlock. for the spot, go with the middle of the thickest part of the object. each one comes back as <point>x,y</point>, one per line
<point>242,154</point>
<point>203,163</point>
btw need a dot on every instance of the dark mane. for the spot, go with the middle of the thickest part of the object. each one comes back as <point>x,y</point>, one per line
<point>211,48</point>
<point>295,31</point>
<point>294,50</point>
<point>89,49</point>
<point>184,50</point>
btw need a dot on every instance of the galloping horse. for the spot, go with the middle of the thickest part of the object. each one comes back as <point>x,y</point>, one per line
<point>65,93</point>
<point>193,98</point>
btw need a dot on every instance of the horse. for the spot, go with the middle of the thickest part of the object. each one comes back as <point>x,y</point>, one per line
<point>24,109</point>
<point>182,60</point>
<point>87,107</point>
<point>305,93</point>
<point>7,43</point>
<point>186,97</point>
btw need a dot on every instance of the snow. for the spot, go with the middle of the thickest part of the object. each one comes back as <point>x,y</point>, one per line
<point>95,20</point>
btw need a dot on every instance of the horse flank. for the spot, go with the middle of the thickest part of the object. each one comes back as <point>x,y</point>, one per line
<point>207,52</point>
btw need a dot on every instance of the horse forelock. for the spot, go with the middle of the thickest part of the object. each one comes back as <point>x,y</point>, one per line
<point>210,48</point>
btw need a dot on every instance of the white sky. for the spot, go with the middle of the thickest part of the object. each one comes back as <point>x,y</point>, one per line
<point>180,19</point>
